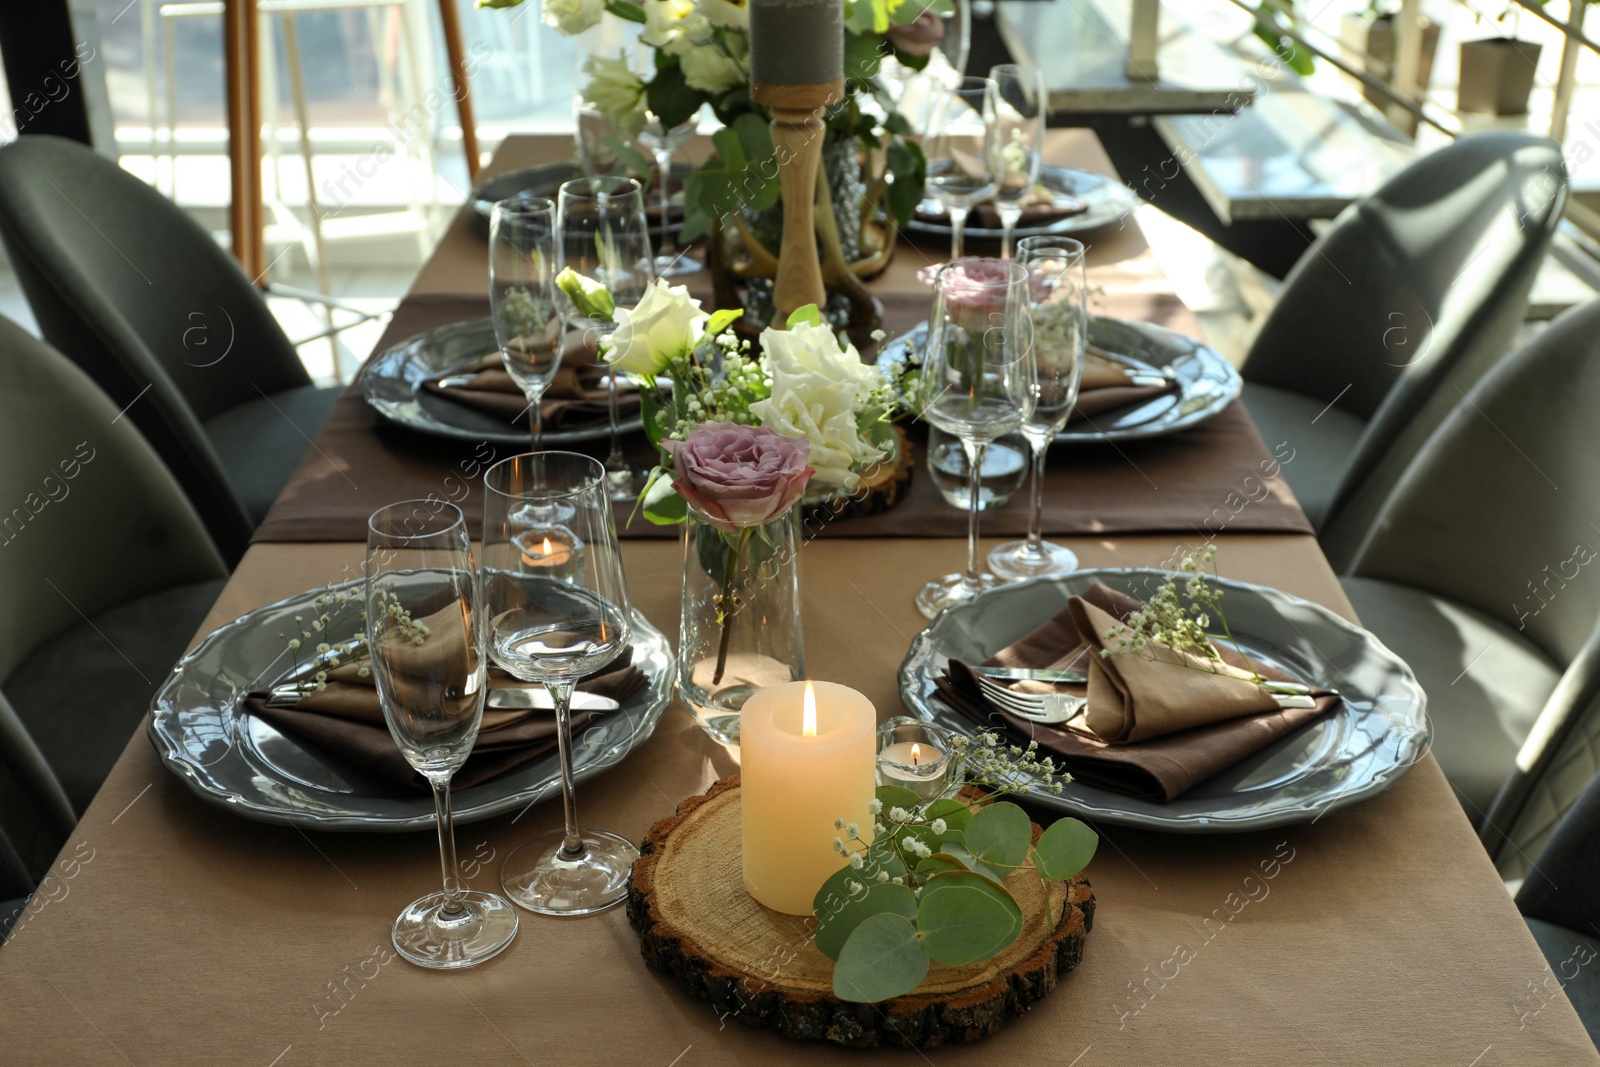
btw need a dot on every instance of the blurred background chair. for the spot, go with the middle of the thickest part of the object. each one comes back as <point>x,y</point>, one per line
<point>1410,295</point>
<point>137,294</point>
<point>1483,568</point>
<point>106,571</point>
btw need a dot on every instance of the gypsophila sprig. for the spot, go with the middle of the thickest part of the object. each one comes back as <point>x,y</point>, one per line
<point>1165,621</point>
<point>338,611</point>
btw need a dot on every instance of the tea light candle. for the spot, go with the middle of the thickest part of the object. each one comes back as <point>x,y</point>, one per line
<point>806,751</point>
<point>552,552</point>
<point>915,755</point>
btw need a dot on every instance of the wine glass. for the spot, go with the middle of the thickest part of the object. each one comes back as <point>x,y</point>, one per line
<point>426,636</point>
<point>601,233</point>
<point>1020,110</point>
<point>1056,306</point>
<point>978,382</point>
<point>962,146</point>
<point>661,142</point>
<point>553,626</point>
<point>529,312</point>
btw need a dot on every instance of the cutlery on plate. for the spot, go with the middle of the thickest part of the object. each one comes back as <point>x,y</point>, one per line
<point>512,699</point>
<point>1047,708</point>
<point>1028,674</point>
<point>1139,373</point>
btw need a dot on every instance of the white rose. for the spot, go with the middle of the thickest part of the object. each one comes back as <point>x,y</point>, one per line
<point>816,388</point>
<point>572,16</point>
<point>616,92</point>
<point>711,68</point>
<point>667,323</point>
<point>732,13</point>
<point>673,25</point>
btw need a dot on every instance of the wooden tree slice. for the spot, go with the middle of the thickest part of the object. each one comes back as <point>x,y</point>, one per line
<point>697,924</point>
<point>882,486</point>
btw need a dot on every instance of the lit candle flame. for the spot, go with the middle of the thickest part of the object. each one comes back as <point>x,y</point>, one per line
<point>547,549</point>
<point>808,723</point>
<point>916,755</point>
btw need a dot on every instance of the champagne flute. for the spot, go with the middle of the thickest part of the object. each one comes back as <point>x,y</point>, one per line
<point>962,147</point>
<point>555,626</point>
<point>1020,109</point>
<point>662,141</point>
<point>977,383</point>
<point>602,234</point>
<point>529,313</point>
<point>1056,306</point>
<point>426,636</point>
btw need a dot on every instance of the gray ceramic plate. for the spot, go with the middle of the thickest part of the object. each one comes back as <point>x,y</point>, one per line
<point>240,763</point>
<point>1109,203</point>
<point>1358,750</point>
<point>1208,382</point>
<point>392,383</point>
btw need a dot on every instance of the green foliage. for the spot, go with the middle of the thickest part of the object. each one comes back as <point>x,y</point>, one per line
<point>966,918</point>
<point>669,95</point>
<point>1064,849</point>
<point>999,835</point>
<point>626,9</point>
<point>908,169</point>
<point>883,958</point>
<point>1271,26</point>
<point>660,502</point>
<point>811,316</point>
<point>878,898</point>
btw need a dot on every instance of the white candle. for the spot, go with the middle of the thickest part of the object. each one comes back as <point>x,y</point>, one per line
<point>806,752</point>
<point>917,765</point>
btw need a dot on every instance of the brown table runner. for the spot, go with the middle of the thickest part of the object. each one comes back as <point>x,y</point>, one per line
<point>1218,476</point>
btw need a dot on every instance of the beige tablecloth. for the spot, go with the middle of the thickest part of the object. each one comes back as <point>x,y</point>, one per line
<point>177,933</point>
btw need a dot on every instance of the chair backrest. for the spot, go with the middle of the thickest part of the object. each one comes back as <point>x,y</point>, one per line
<point>136,293</point>
<point>36,816</point>
<point>89,516</point>
<point>1500,510</point>
<point>1412,293</point>
<point>1562,881</point>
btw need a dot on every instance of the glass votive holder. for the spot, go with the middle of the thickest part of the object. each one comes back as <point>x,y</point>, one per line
<point>916,755</point>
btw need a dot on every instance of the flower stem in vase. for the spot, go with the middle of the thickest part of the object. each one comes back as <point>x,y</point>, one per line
<point>728,601</point>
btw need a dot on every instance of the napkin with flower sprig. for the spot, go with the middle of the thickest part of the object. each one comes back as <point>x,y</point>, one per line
<point>576,397</point>
<point>1157,721</point>
<point>342,715</point>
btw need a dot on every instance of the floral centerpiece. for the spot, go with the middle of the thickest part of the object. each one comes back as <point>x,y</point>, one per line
<point>700,51</point>
<point>739,439</point>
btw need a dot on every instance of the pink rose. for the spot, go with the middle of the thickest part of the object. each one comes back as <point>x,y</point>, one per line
<point>735,476</point>
<point>975,288</point>
<point>919,37</point>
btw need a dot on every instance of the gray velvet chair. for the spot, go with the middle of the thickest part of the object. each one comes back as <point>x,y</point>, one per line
<point>1483,568</point>
<point>1410,295</point>
<point>35,814</point>
<point>136,293</point>
<point>106,571</point>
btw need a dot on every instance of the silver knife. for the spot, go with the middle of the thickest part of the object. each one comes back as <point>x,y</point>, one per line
<point>1025,674</point>
<point>512,699</point>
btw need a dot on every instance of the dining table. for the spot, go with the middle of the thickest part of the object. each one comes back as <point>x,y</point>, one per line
<point>177,932</point>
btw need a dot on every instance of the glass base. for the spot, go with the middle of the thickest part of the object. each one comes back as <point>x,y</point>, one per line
<point>676,266</point>
<point>952,589</point>
<point>1015,560</point>
<point>486,925</point>
<point>624,484</point>
<point>540,878</point>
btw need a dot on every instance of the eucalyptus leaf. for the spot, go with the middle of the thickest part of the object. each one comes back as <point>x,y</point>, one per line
<point>1064,849</point>
<point>882,959</point>
<point>955,814</point>
<point>892,796</point>
<point>1000,834</point>
<point>972,863</point>
<point>940,862</point>
<point>880,898</point>
<point>966,918</point>
<point>835,892</point>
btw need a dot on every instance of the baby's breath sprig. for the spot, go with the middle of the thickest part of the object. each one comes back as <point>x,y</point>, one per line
<point>1164,621</point>
<point>333,612</point>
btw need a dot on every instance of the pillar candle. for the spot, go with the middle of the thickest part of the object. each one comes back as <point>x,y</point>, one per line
<point>800,771</point>
<point>796,42</point>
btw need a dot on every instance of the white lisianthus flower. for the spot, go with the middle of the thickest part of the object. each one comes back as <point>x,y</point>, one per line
<point>665,324</point>
<point>734,13</point>
<point>673,25</point>
<point>710,68</point>
<point>816,389</point>
<point>616,92</point>
<point>572,16</point>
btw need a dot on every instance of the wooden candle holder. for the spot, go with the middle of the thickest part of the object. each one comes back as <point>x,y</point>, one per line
<point>797,131</point>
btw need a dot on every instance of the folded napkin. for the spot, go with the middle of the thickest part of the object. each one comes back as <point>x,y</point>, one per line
<point>1151,730</point>
<point>1108,385</point>
<point>345,720</point>
<point>577,395</point>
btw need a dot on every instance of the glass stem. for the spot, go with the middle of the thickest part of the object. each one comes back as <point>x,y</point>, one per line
<point>958,230</point>
<point>664,168</point>
<point>453,907</point>
<point>571,840</point>
<point>1008,227</point>
<point>974,451</point>
<point>536,417</point>
<point>615,461</point>
<point>1041,450</point>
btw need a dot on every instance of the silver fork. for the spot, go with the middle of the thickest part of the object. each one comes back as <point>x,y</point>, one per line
<point>1047,708</point>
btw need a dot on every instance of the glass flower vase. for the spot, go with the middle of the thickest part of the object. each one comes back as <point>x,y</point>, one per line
<point>740,629</point>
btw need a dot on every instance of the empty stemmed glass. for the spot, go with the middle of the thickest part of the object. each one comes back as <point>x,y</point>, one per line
<point>662,142</point>
<point>977,383</point>
<point>1056,306</point>
<point>557,607</point>
<point>962,146</point>
<point>426,635</point>
<point>1020,113</point>
<point>529,311</point>
<point>602,234</point>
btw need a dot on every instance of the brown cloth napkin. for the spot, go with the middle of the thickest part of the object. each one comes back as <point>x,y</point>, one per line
<point>577,395</point>
<point>1202,741</point>
<point>1107,386</point>
<point>346,720</point>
